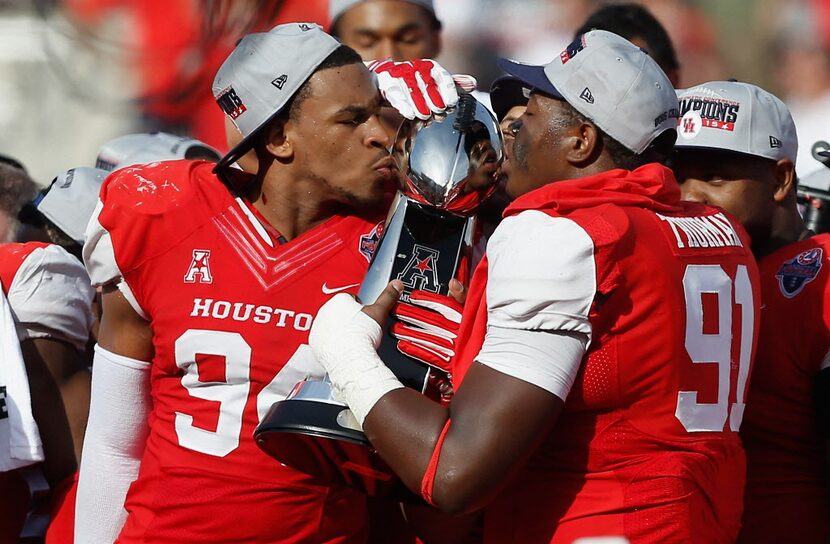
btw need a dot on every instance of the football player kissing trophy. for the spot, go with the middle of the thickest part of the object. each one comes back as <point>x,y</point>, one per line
<point>449,165</point>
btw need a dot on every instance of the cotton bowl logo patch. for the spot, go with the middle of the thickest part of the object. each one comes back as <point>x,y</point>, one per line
<point>799,271</point>
<point>369,242</point>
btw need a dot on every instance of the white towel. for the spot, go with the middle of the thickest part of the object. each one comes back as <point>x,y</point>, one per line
<point>19,437</point>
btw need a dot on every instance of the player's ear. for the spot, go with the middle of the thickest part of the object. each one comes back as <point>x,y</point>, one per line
<point>277,140</point>
<point>785,179</point>
<point>584,143</point>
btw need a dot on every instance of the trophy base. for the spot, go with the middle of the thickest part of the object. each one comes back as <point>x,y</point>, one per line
<point>321,438</point>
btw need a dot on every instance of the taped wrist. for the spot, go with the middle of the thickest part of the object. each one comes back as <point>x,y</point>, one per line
<point>344,340</point>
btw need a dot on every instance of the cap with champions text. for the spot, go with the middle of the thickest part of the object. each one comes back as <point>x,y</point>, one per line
<point>338,7</point>
<point>612,82</point>
<point>735,116</point>
<point>150,147</point>
<point>70,200</point>
<point>262,74</point>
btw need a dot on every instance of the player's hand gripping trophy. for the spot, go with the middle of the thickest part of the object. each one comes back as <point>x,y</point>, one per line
<point>449,165</point>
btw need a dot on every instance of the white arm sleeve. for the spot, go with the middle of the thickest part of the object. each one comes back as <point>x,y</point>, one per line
<point>540,287</point>
<point>51,297</point>
<point>541,274</point>
<point>549,360</point>
<point>113,445</point>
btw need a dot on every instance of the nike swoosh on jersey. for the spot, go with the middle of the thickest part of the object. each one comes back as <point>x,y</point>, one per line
<point>331,290</point>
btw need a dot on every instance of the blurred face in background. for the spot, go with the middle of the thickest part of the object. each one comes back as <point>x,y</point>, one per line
<point>743,185</point>
<point>509,129</point>
<point>379,29</point>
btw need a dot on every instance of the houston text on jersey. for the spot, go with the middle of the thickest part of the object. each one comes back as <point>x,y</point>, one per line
<point>240,311</point>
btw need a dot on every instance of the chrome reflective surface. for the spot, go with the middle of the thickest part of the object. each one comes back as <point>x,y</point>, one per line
<point>452,156</point>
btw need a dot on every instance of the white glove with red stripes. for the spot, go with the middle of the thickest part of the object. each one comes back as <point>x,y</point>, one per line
<point>427,328</point>
<point>419,88</point>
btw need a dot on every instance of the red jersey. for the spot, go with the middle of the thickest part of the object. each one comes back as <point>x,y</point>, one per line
<point>49,296</point>
<point>647,445</point>
<point>787,489</point>
<point>230,308</point>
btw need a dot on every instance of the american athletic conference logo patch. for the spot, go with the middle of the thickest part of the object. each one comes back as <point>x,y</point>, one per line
<point>421,272</point>
<point>799,271</point>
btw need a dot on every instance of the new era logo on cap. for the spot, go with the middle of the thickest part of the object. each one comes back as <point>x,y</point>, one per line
<point>280,81</point>
<point>739,117</point>
<point>587,96</point>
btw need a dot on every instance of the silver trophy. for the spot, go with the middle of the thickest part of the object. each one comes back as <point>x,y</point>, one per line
<point>449,165</point>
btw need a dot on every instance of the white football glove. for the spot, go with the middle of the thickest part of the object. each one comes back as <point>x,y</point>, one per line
<point>418,88</point>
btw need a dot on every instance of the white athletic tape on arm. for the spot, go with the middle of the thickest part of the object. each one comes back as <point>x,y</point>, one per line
<point>344,340</point>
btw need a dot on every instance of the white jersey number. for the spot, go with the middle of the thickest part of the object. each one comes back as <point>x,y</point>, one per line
<point>716,348</point>
<point>231,394</point>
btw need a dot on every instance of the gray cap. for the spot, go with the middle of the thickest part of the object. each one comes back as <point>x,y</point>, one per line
<point>263,73</point>
<point>734,116</point>
<point>338,7</point>
<point>71,199</point>
<point>149,147</point>
<point>612,82</point>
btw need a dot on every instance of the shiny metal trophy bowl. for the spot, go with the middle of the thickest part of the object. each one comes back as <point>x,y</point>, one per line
<point>450,166</point>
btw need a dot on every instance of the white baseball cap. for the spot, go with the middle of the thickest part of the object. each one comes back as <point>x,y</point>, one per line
<point>262,74</point>
<point>338,7</point>
<point>735,116</point>
<point>612,82</point>
<point>149,147</point>
<point>69,201</point>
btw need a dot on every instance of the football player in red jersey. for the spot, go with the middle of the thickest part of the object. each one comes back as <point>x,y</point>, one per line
<point>210,284</point>
<point>747,168</point>
<point>606,340</point>
<point>49,298</point>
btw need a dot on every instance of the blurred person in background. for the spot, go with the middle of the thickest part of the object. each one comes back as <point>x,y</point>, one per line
<point>44,327</point>
<point>737,149</point>
<point>144,148</point>
<point>801,51</point>
<point>381,29</point>
<point>177,47</point>
<point>16,189</point>
<point>508,97</point>
<point>63,209</point>
<point>636,24</point>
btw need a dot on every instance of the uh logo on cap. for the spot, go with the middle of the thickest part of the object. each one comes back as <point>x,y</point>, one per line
<point>230,103</point>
